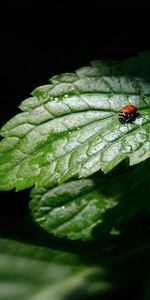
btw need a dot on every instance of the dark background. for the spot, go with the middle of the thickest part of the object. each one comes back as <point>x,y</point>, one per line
<point>39,39</point>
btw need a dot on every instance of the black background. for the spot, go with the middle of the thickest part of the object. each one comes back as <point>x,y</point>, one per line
<point>40,39</point>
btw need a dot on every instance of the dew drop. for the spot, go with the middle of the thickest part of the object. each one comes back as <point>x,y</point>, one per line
<point>45,95</point>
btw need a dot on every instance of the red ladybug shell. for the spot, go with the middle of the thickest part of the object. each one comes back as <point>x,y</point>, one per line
<point>131,109</point>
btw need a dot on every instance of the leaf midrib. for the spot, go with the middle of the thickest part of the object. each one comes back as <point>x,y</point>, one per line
<point>54,139</point>
<point>58,117</point>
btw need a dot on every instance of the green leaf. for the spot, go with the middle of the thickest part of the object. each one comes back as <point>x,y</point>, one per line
<point>75,208</point>
<point>70,128</point>
<point>33,272</point>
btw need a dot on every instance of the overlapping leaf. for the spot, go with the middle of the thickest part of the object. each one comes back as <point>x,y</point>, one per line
<point>33,272</point>
<point>70,128</point>
<point>75,208</point>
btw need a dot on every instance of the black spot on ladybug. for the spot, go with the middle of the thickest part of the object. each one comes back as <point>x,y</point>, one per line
<point>125,117</point>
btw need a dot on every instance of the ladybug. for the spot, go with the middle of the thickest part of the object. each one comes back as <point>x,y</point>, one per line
<point>127,114</point>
